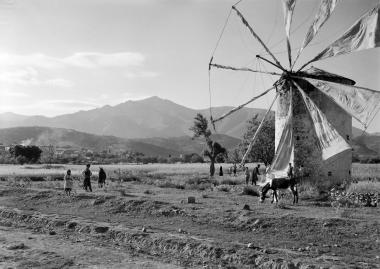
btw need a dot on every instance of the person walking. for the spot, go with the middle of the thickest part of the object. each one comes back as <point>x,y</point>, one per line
<point>221,171</point>
<point>234,169</point>
<point>247,176</point>
<point>87,178</point>
<point>68,183</point>
<point>102,178</point>
<point>255,173</point>
<point>290,171</point>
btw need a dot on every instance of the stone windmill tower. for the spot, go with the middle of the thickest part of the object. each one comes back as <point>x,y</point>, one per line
<point>314,107</point>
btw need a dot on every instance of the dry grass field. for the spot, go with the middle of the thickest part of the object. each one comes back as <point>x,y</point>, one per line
<point>142,219</point>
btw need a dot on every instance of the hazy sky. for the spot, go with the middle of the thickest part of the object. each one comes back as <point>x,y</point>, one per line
<point>62,56</point>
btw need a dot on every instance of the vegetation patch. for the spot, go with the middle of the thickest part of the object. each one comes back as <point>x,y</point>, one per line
<point>249,190</point>
<point>230,181</point>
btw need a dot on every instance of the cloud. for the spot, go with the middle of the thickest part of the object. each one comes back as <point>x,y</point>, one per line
<point>140,74</point>
<point>4,93</point>
<point>68,103</point>
<point>79,59</point>
<point>93,60</point>
<point>31,77</point>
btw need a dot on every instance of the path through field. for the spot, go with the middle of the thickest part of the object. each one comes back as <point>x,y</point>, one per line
<point>140,225</point>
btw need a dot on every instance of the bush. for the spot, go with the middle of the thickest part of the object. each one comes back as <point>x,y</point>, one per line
<point>224,188</point>
<point>230,181</point>
<point>249,190</point>
<point>364,187</point>
<point>201,180</point>
<point>148,192</point>
<point>168,184</point>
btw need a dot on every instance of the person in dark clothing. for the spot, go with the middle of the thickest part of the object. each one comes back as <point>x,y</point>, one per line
<point>221,171</point>
<point>290,171</point>
<point>255,173</point>
<point>234,170</point>
<point>87,178</point>
<point>102,177</point>
<point>247,175</point>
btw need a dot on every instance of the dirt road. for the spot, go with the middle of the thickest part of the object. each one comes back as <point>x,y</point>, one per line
<point>23,248</point>
<point>130,227</point>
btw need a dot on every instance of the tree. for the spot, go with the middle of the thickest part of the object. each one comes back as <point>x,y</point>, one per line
<point>22,154</point>
<point>264,149</point>
<point>200,129</point>
<point>235,156</point>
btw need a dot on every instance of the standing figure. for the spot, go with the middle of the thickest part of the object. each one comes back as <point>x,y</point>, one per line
<point>234,169</point>
<point>290,171</point>
<point>68,183</point>
<point>255,173</point>
<point>247,176</point>
<point>87,178</point>
<point>300,173</point>
<point>102,177</point>
<point>221,171</point>
<point>267,169</point>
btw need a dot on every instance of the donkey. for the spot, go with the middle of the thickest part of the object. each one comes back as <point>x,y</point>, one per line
<point>280,183</point>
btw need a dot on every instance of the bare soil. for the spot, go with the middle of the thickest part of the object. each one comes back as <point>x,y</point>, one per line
<point>133,225</point>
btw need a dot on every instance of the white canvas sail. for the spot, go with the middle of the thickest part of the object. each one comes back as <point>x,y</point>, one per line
<point>361,103</point>
<point>288,6</point>
<point>285,144</point>
<point>364,34</point>
<point>331,142</point>
<point>325,9</point>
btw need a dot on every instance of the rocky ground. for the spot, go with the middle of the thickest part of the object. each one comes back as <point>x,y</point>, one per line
<point>133,225</point>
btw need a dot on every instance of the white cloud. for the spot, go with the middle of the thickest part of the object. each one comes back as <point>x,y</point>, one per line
<point>31,77</point>
<point>59,82</point>
<point>4,93</point>
<point>93,59</point>
<point>79,59</point>
<point>68,103</point>
<point>140,74</point>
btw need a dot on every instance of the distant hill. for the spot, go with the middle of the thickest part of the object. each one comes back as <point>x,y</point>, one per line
<point>151,117</point>
<point>44,136</point>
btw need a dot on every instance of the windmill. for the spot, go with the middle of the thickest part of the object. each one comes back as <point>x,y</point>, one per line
<point>313,122</point>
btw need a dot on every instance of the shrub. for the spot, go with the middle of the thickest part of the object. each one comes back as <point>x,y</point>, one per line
<point>36,178</point>
<point>224,188</point>
<point>201,180</point>
<point>148,192</point>
<point>229,181</point>
<point>168,184</point>
<point>364,187</point>
<point>249,190</point>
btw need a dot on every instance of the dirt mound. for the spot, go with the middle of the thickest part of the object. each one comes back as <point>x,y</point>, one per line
<point>183,248</point>
<point>144,207</point>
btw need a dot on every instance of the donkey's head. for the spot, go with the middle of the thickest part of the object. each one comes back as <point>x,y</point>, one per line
<point>264,191</point>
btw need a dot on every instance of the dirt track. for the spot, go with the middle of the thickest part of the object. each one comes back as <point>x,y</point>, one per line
<point>213,232</point>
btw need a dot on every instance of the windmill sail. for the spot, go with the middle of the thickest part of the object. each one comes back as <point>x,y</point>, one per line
<point>364,34</point>
<point>288,16</point>
<point>361,103</point>
<point>331,142</point>
<point>285,145</point>
<point>325,9</point>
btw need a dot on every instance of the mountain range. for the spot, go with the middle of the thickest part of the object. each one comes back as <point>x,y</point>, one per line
<point>60,137</point>
<point>153,126</point>
<point>151,117</point>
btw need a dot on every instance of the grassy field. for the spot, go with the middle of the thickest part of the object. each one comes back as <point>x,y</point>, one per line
<point>143,216</point>
<point>360,171</point>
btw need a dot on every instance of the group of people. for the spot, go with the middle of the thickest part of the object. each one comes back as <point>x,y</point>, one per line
<point>69,180</point>
<point>253,176</point>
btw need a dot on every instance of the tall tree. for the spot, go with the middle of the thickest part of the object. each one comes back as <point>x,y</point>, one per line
<point>264,149</point>
<point>30,154</point>
<point>214,149</point>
